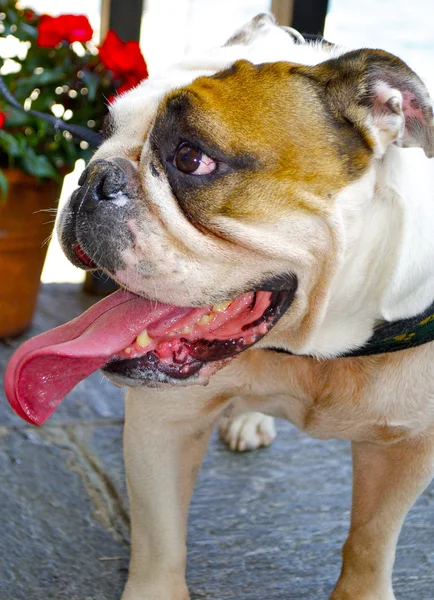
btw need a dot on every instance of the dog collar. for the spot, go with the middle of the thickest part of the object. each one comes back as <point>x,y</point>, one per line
<point>392,336</point>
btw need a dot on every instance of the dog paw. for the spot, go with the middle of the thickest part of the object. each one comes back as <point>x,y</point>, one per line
<point>247,431</point>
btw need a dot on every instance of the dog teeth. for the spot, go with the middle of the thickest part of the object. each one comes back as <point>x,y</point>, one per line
<point>187,329</point>
<point>205,319</point>
<point>220,307</point>
<point>263,328</point>
<point>128,350</point>
<point>143,339</point>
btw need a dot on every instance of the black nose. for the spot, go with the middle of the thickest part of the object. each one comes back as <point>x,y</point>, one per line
<point>100,181</point>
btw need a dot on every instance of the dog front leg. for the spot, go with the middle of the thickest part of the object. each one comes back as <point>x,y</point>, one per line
<point>165,438</point>
<point>387,482</point>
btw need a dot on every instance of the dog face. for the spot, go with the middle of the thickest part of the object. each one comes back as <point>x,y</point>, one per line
<point>234,180</point>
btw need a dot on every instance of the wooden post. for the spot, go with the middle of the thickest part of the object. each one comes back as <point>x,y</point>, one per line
<point>282,10</point>
<point>307,16</point>
<point>124,16</point>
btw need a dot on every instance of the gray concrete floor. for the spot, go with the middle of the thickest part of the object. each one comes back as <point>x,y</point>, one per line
<point>268,524</point>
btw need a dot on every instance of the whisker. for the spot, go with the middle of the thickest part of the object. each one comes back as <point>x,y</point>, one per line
<point>47,240</point>
<point>47,210</point>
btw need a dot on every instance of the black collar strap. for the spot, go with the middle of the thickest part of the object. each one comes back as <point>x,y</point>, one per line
<point>392,336</point>
<point>399,335</point>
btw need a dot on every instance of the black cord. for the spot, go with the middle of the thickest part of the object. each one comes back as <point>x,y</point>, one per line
<point>93,138</point>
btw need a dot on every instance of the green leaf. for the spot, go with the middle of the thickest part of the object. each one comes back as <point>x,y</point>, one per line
<point>38,165</point>
<point>4,186</point>
<point>12,16</point>
<point>29,30</point>
<point>16,118</point>
<point>92,81</point>
<point>9,143</point>
<point>55,76</point>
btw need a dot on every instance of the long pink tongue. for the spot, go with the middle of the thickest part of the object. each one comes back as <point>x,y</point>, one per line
<point>45,368</point>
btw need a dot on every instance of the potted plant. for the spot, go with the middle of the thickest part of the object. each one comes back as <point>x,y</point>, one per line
<point>49,65</point>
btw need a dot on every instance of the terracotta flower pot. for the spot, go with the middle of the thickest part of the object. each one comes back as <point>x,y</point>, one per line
<point>25,226</point>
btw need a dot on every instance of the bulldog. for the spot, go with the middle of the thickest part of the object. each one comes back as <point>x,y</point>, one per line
<point>267,209</point>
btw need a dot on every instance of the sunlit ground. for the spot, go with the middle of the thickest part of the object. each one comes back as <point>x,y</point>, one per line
<point>57,267</point>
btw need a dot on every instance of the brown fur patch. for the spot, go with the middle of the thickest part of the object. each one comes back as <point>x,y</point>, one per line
<point>325,398</point>
<point>285,151</point>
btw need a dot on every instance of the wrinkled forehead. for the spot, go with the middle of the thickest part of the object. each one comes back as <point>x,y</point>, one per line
<point>267,104</point>
<point>132,115</point>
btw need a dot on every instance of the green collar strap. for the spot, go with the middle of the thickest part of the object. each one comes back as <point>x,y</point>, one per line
<point>399,335</point>
<point>392,336</point>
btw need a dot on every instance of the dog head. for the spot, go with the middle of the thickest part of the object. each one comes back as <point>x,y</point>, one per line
<point>225,183</point>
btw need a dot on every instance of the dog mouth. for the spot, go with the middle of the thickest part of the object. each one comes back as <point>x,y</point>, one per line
<point>195,345</point>
<point>136,341</point>
<point>191,347</point>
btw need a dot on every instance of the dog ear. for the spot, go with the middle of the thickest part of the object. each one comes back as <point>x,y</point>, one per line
<point>382,97</point>
<point>255,28</point>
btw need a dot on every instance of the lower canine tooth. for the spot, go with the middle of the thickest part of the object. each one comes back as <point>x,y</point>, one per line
<point>143,339</point>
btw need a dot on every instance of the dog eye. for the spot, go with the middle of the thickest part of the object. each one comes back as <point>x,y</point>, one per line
<point>191,160</point>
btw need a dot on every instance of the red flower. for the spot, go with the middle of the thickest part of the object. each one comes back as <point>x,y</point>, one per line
<point>2,119</point>
<point>65,28</point>
<point>125,59</point>
<point>29,15</point>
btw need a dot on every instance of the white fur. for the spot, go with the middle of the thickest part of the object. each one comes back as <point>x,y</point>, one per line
<point>387,270</point>
<point>248,431</point>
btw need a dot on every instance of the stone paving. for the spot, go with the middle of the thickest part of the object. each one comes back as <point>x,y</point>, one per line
<point>264,525</point>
